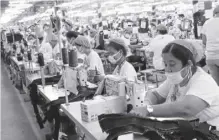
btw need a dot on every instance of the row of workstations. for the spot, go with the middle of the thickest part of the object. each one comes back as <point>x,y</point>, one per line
<point>24,73</point>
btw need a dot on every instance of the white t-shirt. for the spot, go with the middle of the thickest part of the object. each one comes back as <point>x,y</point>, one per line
<point>211,30</point>
<point>46,49</point>
<point>127,71</point>
<point>94,62</point>
<point>157,45</point>
<point>201,85</point>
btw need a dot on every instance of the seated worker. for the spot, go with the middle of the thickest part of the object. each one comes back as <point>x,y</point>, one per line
<point>157,44</point>
<point>118,52</point>
<point>71,36</point>
<point>53,41</point>
<point>188,91</point>
<point>46,49</point>
<point>92,58</point>
<point>94,38</point>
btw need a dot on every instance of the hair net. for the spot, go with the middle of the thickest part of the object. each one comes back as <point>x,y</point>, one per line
<point>195,47</point>
<point>161,28</point>
<point>83,41</point>
<point>120,42</point>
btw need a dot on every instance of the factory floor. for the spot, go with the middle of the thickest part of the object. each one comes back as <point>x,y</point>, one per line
<point>17,116</point>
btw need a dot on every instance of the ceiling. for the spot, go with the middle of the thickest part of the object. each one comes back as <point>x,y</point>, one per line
<point>26,8</point>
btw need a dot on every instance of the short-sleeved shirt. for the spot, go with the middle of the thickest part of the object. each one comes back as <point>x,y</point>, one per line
<point>201,85</point>
<point>94,62</point>
<point>211,30</point>
<point>47,51</point>
<point>126,70</point>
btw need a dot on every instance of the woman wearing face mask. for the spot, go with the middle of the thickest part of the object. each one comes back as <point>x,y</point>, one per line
<point>188,91</point>
<point>92,58</point>
<point>118,53</point>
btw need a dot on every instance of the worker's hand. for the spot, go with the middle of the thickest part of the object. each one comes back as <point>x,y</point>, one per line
<point>140,111</point>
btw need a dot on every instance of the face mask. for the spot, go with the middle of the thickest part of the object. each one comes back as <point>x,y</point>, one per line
<point>112,58</point>
<point>175,77</point>
<point>127,36</point>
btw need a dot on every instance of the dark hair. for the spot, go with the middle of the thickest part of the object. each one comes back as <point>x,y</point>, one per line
<point>181,15</point>
<point>40,38</point>
<point>181,53</point>
<point>118,47</point>
<point>71,34</point>
<point>31,36</point>
<point>162,32</point>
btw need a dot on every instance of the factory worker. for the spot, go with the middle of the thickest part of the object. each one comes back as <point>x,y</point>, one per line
<point>46,49</point>
<point>94,38</point>
<point>188,91</point>
<point>71,36</point>
<point>118,52</point>
<point>53,41</point>
<point>92,58</point>
<point>211,40</point>
<point>157,44</point>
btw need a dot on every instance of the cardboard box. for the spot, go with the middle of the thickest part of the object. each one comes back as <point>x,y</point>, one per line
<point>91,109</point>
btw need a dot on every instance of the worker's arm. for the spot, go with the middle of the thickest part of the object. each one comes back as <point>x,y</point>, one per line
<point>153,98</point>
<point>158,95</point>
<point>204,39</point>
<point>188,107</point>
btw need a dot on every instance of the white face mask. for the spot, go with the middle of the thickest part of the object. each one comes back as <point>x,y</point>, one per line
<point>112,59</point>
<point>175,77</point>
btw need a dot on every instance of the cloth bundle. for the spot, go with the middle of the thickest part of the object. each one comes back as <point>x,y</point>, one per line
<point>154,129</point>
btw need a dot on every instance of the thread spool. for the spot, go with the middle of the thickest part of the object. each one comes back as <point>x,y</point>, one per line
<point>73,58</point>
<point>22,50</point>
<point>14,47</point>
<point>41,59</point>
<point>65,58</point>
<point>29,56</point>
<point>19,57</point>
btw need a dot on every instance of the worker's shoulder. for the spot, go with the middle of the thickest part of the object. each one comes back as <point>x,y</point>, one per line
<point>128,66</point>
<point>210,21</point>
